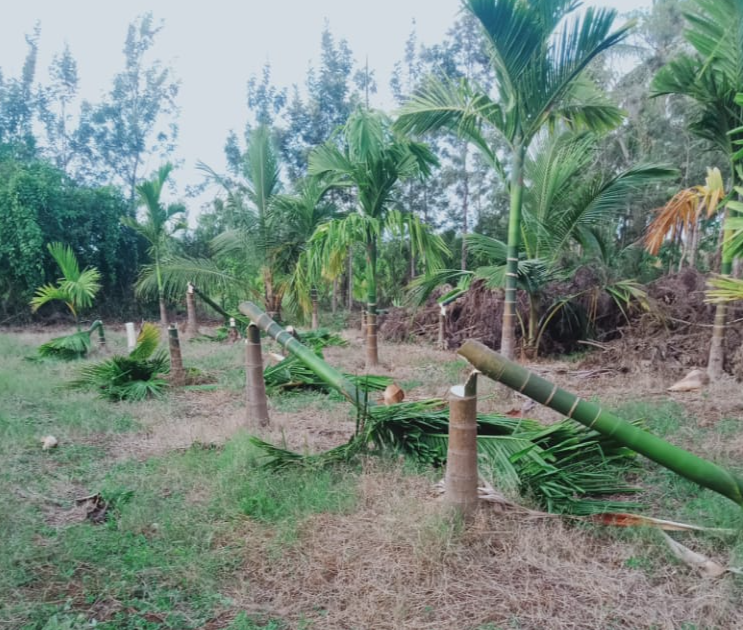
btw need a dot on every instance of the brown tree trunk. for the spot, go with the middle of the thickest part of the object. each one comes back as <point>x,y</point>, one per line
<point>177,374</point>
<point>442,328</point>
<point>192,326</point>
<point>372,353</point>
<point>461,456</point>
<point>255,386</point>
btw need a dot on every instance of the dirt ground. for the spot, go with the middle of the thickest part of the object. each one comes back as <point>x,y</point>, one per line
<point>395,563</point>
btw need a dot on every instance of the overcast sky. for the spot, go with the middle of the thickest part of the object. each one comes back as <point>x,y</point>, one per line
<point>215,46</point>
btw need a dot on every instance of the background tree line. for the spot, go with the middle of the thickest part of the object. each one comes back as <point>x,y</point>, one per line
<point>70,170</point>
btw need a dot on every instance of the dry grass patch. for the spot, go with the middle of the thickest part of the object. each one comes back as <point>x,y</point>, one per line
<point>400,562</point>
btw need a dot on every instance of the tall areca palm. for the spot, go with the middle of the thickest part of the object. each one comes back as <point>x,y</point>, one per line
<point>539,58</point>
<point>371,161</point>
<point>159,225</point>
<point>75,288</point>
<point>712,77</point>
<point>256,225</point>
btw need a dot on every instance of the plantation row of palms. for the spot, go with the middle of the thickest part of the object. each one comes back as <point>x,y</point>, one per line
<point>540,129</point>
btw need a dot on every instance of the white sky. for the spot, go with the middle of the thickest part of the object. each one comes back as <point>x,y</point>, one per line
<point>215,46</point>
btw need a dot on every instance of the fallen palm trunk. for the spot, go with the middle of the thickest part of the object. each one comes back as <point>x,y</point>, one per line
<point>328,374</point>
<point>206,299</point>
<point>686,464</point>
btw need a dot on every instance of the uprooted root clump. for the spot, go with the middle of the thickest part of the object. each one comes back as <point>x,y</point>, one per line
<point>675,336</point>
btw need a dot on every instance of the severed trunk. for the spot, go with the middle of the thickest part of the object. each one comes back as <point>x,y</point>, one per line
<point>286,340</point>
<point>686,464</point>
<point>255,386</point>
<point>192,326</point>
<point>461,455</point>
<point>177,373</point>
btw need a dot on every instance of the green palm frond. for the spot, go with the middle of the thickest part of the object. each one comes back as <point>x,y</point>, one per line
<point>723,289</point>
<point>75,288</point>
<point>147,342</point>
<point>133,377</point>
<point>421,288</point>
<point>177,272</point>
<point>68,348</point>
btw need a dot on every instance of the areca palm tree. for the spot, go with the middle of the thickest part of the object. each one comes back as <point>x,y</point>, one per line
<point>712,77</point>
<point>256,225</point>
<point>77,289</point>
<point>159,225</point>
<point>371,161</point>
<point>539,57</point>
<point>564,213</point>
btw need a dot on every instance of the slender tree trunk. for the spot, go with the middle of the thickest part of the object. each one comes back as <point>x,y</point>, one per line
<point>695,228</point>
<point>163,313</point>
<point>372,353</point>
<point>533,321</point>
<point>461,455</point>
<point>465,208</point>
<point>192,327</point>
<point>334,298</point>
<point>177,374</point>
<point>716,360</point>
<point>442,328</point>
<point>255,386</point>
<point>349,279</point>
<point>315,309</point>
<point>508,334</point>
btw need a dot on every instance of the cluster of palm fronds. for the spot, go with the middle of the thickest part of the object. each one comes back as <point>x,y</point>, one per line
<point>70,347</point>
<point>563,467</point>
<point>320,338</point>
<point>133,377</point>
<point>292,373</point>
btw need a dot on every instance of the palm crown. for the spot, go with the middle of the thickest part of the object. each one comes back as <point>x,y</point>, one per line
<point>75,288</point>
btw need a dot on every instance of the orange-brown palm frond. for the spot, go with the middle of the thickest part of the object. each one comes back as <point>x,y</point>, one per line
<point>675,218</point>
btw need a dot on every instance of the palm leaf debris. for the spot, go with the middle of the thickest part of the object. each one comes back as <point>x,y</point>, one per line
<point>136,376</point>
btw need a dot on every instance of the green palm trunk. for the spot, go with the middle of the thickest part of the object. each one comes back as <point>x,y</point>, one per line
<point>508,341</point>
<point>372,351</point>
<point>716,349</point>
<point>686,464</point>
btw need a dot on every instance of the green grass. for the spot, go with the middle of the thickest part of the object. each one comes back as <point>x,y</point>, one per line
<point>177,523</point>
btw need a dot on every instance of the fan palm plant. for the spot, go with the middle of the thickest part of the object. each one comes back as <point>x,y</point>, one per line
<point>539,60</point>
<point>712,77</point>
<point>77,289</point>
<point>372,160</point>
<point>158,227</point>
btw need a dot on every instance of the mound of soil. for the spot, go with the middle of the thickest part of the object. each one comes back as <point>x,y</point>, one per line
<point>478,315</point>
<point>672,336</point>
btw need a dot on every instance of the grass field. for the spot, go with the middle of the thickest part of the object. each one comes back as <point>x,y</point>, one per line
<point>198,535</point>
